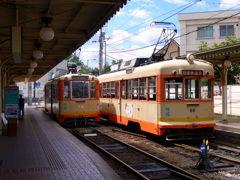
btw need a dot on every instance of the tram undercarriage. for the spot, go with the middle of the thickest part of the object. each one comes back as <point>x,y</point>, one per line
<point>189,134</point>
<point>70,122</point>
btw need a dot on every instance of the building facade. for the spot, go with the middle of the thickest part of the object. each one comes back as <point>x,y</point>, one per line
<point>211,27</point>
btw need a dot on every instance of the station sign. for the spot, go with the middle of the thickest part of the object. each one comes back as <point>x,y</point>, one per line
<point>11,101</point>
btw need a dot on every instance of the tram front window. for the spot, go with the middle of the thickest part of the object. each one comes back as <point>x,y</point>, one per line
<point>206,88</point>
<point>173,88</point>
<point>191,88</point>
<point>80,89</point>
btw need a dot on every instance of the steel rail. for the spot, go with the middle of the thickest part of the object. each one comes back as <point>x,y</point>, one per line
<point>126,132</point>
<point>133,171</point>
<point>172,167</point>
<point>210,153</point>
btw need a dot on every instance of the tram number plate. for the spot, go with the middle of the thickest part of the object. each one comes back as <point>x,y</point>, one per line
<point>79,77</point>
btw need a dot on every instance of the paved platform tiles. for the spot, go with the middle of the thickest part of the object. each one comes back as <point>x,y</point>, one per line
<point>43,150</point>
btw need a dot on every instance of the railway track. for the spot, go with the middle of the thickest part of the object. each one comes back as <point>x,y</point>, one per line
<point>139,163</point>
<point>225,153</point>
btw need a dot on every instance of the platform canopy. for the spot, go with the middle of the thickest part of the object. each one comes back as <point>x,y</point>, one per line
<point>73,21</point>
<point>219,55</point>
<point>224,56</point>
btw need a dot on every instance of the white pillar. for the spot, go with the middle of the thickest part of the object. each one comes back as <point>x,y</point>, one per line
<point>225,66</point>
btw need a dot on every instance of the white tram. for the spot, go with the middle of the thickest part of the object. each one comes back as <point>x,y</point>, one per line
<point>172,98</point>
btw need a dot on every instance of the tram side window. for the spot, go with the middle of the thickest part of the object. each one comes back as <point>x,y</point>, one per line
<point>108,90</point>
<point>143,89</point>
<point>104,90</point>
<point>128,89</point>
<point>93,90</point>
<point>66,90</point>
<point>123,90</point>
<point>135,88</point>
<point>152,88</point>
<point>117,90</point>
<point>80,89</point>
<point>173,88</point>
<point>206,88</point>
<point>112,89</point>
<point>191,88</point>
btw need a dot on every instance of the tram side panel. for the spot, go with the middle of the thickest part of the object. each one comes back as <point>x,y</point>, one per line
<point>143,113</point>
<point>184,99</point>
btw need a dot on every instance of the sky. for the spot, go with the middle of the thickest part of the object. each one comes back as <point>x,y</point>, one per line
<point>132,33</point>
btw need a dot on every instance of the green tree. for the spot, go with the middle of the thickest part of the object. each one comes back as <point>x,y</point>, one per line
<point>234,69</point>
<point>85,69</point>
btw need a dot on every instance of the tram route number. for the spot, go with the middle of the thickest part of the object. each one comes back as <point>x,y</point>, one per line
<point>167,112</point>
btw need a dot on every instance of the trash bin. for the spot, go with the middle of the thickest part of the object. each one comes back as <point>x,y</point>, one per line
<point>12,126</point>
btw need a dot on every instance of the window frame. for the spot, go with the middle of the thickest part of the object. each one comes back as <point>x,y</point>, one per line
<point>178,81</point>
<point>226,30</point>
<point>91,89</point>
<point>209,90</point>
<point>196,88</point>
<point>87,82</point>
<point>154,93</point>
<point>68,89</point>
<point>205,31</point>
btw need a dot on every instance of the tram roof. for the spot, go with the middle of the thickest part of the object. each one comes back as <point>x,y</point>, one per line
<point>76,77</point>
<point>160,68</point>
<point>74,23</point>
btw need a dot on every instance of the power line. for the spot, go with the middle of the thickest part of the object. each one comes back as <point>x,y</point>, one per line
<point>189,5</point>
<point>181,35</point>
<point>134,14</point>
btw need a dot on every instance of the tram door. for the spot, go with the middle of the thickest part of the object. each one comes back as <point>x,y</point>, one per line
<point>121,94</point>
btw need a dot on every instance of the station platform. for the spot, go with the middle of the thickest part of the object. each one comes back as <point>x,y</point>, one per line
<point>43,150</point>
<point>228,131</point>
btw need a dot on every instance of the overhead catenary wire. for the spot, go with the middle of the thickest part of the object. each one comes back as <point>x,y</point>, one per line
<point>134,14</point>
<point>129,37</point>
<point>181,35</point>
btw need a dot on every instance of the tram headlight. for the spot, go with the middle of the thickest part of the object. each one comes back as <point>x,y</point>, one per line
<point>190,58</point>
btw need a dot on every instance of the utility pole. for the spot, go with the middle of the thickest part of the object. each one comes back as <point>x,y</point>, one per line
<point>101,39</point>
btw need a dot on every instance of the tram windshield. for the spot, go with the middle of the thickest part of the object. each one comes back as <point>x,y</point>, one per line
<point>191,88</point>
<point>80,89</point>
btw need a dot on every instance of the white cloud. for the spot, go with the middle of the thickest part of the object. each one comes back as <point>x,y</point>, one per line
<point>229,4</point>
<point>139,13</point>
<point>202,4</point>
<point>176,1</point>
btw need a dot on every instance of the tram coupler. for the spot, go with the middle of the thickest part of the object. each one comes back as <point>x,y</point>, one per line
<point>204,162</point>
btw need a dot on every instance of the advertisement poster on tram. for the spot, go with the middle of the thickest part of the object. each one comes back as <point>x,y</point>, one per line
<point>11,101</point>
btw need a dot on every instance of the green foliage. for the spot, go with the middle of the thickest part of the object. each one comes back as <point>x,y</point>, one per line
<point>234,69</point>
<point>203,46</point>
<point>85,68</point>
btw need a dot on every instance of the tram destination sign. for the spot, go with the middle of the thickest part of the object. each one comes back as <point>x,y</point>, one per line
<point>192,72</point>
<point>79,77</point>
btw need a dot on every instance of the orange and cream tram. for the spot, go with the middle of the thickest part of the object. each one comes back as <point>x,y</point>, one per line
<point>72,99</point>
<point>171,97</point>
